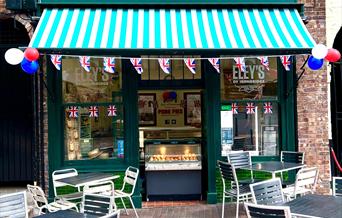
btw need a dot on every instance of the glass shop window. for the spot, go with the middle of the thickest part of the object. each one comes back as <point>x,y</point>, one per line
<point>93,111</point>
<point>249,111</point>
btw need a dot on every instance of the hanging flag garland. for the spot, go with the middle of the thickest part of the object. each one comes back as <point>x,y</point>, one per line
<point>267,108</point>
<point>240,63</point>
<point>73,111</point>
<point>111,111</point>
<point>56,61</point>
<point>85,62</point>
<point>285,60</point>
<point>109,65</point>
<point>235,108</point>
<point>264,62</point>
<point>191,64</point>
<point>250,108</point>
<point>137,64</point>
<point>93,111</point>
<point>165,65</point>
<point>216,63</point>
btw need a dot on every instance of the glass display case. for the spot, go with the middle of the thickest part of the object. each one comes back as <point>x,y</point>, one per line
<point>172,155</point>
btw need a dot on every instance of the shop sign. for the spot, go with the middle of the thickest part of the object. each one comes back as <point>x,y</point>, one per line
<point>251,79</point>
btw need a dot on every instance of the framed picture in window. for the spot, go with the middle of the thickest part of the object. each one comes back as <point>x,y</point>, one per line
<point>192,108</point>
<point>147,109</point>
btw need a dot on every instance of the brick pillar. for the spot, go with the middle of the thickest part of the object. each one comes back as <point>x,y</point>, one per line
<point>312,102</point>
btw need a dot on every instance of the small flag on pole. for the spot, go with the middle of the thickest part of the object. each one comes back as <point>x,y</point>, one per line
<point>264,62</point>
<point>73,111</point>
<point>240,63</point>
<point>216,63</point>
<point>267,108</point>
<point>85,62</point>
<point>165,65</point>
<point>191,64</point>
<point>56,61</point>
<point>93,111</point>
<point>250,108</point>
<point>137,64</point>
<point>285,60</point>
<point>109,65</point>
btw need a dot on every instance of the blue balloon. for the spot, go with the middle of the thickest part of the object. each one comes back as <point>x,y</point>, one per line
<point>29,67</point>
<point>314,63</point>
<point>173,95</point>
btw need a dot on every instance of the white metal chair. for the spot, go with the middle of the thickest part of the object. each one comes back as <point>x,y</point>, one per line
<point>240,192</point>
<point>290,157</point>
<point>42,204</point>
<point>130,181</point>
<point>267,192</point>
<point>262,211</point>
<point>61,174</point>
<point>306,180</point>
<point>104,187</point>
<point>99,205</point>
<point>337,186</point>
<point>13,205</point>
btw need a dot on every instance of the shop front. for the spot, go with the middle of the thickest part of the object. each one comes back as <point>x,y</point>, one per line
<point>169,88</point>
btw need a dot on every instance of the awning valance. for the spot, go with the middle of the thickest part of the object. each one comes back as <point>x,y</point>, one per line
<point>81,28</point>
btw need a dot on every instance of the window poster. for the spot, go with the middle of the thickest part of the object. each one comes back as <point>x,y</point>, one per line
<point>269,139</point>
<point>226,129</point>
<point>192,109</point>
<point>147,109</point>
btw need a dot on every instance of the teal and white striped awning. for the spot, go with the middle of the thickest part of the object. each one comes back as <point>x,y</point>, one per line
<point>171,29</point>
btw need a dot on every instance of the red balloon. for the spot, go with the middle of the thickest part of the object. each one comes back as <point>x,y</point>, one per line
<point>333,55</point>
<point>31,54</point>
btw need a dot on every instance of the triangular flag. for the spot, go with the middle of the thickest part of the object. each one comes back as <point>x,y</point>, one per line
<point>137,64</point>
<point>267,108</point>
<point>93,111</point>
<point>250,108</point>
<point>216,63</point>
<point>85,62</point>
<point>56,61</point>
<point>264,62</point>
<point>111,111</point>
<point>240,63</point>
<point>235,108</point>
<point>191,64</point>
<point>285,60</point>
<point>109,65</point>
<point>165,65</point>
<point>73,111</point>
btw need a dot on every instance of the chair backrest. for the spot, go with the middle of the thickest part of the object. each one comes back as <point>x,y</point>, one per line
<point>227,172</point>
<point>97,204</point>
<point>292,157</point>
<point>131,178</point>
<point>13,205</point>
<point>239,159</point>
<point>337,186</point>
<point>267,192</point>
<point>262,211</point>
<point>38,195</point>
<point>104,187</point>
<point>61,174</point>
<point>306,178</point>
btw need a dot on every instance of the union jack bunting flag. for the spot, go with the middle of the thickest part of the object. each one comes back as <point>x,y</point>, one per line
<point>267,108</point>
<point>93,111</point>
<point>73,111</point>
<point>285,60</point>
<point>250,108</point>
<point>165,65</point>
<point>235,108</point>
<point>264,62</point>
<point>56,61</point>
<point>240,63</point>
<point>137,64</point>
<point>216,63</point>
<point>85,62</point>
<point>111,111</point>
<point>191,64</point>
<point>109,65</point>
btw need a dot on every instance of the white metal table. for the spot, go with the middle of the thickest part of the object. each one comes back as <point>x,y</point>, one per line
<point>87,178</point>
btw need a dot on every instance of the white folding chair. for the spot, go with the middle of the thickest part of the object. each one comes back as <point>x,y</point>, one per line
<point>42,204</point>
<point>337,186</point>
<point>61,174</point>
<point>13,205</point>
<point>306,180</point>
<point>290,157</point>
<point>130,181</point>
<point>267,192</point>
<point>262,211</point>
<point>99,205</point>
<point>240,192</point>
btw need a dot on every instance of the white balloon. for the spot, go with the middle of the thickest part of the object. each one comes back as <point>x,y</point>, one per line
<point>319,51</point>
<point>14,56</point>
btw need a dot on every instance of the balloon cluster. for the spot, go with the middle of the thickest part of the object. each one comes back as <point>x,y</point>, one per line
<point>28,59</point>
<point>169,96</point>
<point>321,52</point>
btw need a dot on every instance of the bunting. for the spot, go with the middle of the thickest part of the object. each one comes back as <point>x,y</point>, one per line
<point>93,111</point>
<point>85,62</point>
<point>264,62</point>
<point>250,108</point>
<point>267,108</point>
<point>216,63</point>
<point>235,108</point>
<point>165,65</point>
<point>137,64</point>
<point>285,60</point>
<point>56,61</point>
<point>191,64</point>
<point>111,111</point>
<point>240,63</point>
<point>109,65</point>
<point>73,111</point>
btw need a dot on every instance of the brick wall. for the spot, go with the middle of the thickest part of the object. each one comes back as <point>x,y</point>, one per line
<point>312,102</point>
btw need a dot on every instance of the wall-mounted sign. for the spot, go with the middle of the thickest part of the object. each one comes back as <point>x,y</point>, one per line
<point>250,80</point>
